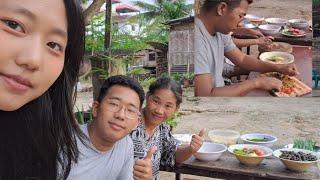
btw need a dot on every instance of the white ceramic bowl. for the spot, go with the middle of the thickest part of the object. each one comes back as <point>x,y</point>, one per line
<point>183,139</point>
<point>267,55</point>
<point>298,166</point>
<point>249,26</point>
<point>210,151</point>
<point>277,21</point>
<point>254,19</point>
<point>299,23</point>
<point>248,139</point>
<point>250,160</point>
<point>269,29</point>
<point>224,136</point>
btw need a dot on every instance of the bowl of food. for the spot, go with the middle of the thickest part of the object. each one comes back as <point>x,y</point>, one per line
<point>210,151</point>
<point>299,23</point>
<point>249,154</point>
<point>298,160</point>
<point>269,29</point>
<point>277,57</point>
<point>293,32</point>
<point>259,139</point>
<point>277,21</point>
<point>256,20</point>
<point>224,136</point>
<point>182,139</point>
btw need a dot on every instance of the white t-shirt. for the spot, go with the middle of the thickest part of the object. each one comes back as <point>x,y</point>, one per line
<point>209,52</point>
<point>115,164</point>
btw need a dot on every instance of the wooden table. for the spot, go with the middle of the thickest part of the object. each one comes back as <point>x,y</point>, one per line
<point>228,167</point>
<point>300,41</point>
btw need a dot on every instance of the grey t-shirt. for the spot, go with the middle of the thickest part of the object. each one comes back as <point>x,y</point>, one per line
<point>209,52</point>
<point>115,164</point>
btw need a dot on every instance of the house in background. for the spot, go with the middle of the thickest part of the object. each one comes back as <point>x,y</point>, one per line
<point>181,45</point>
<point>153,58</point>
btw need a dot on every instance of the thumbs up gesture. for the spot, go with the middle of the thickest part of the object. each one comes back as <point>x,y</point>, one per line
<point>142,169</point>
<point>196,141</point>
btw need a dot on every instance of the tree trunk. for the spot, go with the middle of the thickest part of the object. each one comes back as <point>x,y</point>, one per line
<point>93,9</point>
<point>97,62</point>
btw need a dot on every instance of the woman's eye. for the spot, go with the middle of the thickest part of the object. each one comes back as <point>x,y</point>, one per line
<point>13,25</point>
<point>54,46</point>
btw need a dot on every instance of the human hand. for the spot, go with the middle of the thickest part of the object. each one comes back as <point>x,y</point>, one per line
<point>288,69</point>
<point>265,40</point>
<point>142,169</point>
<point>268,83</point>
<point>197,141</point>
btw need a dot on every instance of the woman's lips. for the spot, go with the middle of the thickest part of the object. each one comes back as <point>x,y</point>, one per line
<point>16,83</point>
<point>157,116</point>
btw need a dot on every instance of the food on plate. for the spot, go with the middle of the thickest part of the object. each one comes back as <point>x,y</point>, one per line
<point>291,86</point>
<point>252,152</point>
<point>297,156</point>
<point>278,60</point>
<point>293,32</point>
<point>304,144</point>
<point>258,139</point>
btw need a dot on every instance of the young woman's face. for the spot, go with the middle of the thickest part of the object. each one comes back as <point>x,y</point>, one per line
<point>160,106</point>
<point>33,38</point>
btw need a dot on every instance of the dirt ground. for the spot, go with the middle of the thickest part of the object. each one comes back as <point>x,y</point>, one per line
<point>285,118</point>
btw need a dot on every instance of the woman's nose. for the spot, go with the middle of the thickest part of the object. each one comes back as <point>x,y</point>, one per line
<point>32,54</point>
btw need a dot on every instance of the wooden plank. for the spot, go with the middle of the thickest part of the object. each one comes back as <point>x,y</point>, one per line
<point>228,167</point>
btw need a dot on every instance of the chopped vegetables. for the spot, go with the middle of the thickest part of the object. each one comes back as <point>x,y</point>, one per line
<point>278,59</point>
<point>259,139</point>
<point>254,152</point>
<point>293,32</point>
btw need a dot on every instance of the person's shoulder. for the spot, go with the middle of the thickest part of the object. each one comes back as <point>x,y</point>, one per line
<point>125,143</point>
<point>164,127</point>
<point>218,34</point>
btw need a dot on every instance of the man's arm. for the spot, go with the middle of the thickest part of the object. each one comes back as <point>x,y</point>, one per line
<point>204,87</point>
<point>250,42</point>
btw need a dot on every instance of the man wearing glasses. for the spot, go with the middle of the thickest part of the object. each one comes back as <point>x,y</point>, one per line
<point>108,153</point>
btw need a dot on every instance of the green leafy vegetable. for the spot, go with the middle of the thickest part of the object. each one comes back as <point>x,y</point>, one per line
<point>258,139</point>
<point>304,144</point>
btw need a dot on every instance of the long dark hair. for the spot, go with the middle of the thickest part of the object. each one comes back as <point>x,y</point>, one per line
<point>38,141</point>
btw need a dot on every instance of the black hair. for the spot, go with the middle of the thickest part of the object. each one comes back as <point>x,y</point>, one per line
<point>121,80</point>
<point>167,83</point>
<point>209,4</point>
<point>38,141</point>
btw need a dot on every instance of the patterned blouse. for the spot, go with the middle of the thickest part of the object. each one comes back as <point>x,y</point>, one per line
<point>162,139</point>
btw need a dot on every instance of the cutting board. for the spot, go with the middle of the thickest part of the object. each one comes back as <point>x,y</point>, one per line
<point>294,85</point>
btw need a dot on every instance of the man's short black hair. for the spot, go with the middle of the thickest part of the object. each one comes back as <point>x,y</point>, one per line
<point>121,80</point>
<point>209,4</point>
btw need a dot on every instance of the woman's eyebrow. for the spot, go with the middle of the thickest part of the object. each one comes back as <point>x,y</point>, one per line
<point>25,12</point>
<point>60,32</point>
<point>20,10</point>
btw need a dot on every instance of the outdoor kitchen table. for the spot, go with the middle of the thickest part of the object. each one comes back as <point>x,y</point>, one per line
<point>228,167</point>
<point>299,41</point>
